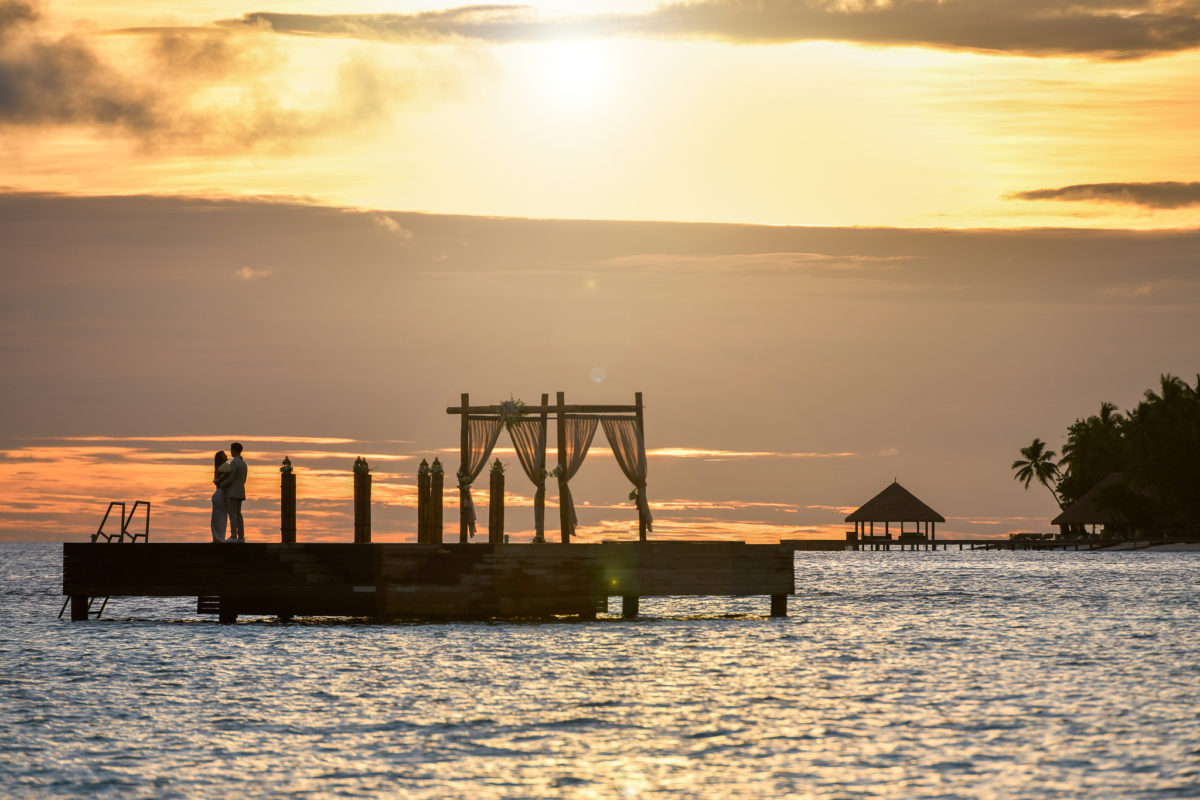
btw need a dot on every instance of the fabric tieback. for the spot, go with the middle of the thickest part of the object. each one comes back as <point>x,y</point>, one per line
<point>643,506</point>
<point>464,497</point>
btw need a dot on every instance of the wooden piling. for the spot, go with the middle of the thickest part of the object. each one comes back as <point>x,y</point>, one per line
<point>629,606</point>
<point>423,502</point>
<point>436,484</point>
<point>496,504</point>
<point>287,502</point>
<point>362,501</point>
<point>779,605</point>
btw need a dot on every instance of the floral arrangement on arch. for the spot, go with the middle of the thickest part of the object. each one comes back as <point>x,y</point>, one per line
<point>511,412</point>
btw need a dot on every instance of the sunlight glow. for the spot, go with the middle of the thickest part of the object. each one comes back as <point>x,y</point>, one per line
<point>573,73</point>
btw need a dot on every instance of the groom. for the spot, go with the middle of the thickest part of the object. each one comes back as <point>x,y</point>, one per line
<point>235,485</point>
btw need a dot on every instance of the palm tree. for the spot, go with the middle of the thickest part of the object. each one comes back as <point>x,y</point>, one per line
<point>1038,464</point>
<point>1095,447</point>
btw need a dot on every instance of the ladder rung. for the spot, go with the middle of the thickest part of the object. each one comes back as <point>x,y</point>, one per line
<point>208,604</point>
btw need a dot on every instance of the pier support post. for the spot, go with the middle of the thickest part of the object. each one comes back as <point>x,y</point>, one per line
<point>779,605</point>
<point>79,607</point>
<point>496,504</point>
<point>362,501</point>
<point>423,502</point>
<point>629,606</point>
<point>287,502</point>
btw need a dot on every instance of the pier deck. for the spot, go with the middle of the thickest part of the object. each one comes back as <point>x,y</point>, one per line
<point>424,581</point>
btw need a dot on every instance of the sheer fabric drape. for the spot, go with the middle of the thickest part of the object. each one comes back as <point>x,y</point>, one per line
<point>529,440</point>
<point>579,431</point>
<point>630,450</point>
<point>481,438</point>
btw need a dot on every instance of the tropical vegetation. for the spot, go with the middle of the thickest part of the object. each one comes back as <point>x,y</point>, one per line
<point>1154,446</point>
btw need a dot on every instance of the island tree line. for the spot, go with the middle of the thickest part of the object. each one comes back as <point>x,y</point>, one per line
<point>1154,447</point>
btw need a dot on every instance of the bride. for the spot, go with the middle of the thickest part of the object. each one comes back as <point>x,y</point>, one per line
<point>221,468</point>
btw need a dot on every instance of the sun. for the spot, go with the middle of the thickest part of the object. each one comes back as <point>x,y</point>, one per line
<point>573,71</point>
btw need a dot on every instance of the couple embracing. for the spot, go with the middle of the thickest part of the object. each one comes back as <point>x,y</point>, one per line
<point>230,479</point>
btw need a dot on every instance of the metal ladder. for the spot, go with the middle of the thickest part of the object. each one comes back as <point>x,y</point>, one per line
<point>118,537</point>
<point>208,604</point>
<point>125,520</point>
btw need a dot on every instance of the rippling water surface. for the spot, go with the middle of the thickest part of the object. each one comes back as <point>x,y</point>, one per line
<point>897,675</point>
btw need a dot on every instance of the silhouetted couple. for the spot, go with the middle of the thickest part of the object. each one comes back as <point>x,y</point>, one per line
<point>230,479</point>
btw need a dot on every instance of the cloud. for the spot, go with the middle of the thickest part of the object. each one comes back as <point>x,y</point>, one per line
<point>1108,29</point>
<point>744,263</point>
<point>206,439</point>
<point>390,225</point>
<point>62,81</point>
<point>722,455</point>
<point>1157,194</point>
<point>176,88</point>
<point>250,274</point>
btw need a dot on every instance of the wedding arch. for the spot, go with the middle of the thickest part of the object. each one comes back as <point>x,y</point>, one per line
<point>576,427</point>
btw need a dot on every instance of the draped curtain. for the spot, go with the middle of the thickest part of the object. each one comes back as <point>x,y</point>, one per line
<point>529,440</point>
<point>481,438</point>
<point>630,450</point>
<point>579,431</point>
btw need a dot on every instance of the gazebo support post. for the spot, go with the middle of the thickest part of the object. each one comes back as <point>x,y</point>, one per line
<point>637,403</point>
<point>564,520</point>
<point>539,511</point>
<point>465,453</point>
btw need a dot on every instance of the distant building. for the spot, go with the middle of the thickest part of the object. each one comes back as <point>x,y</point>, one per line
<point>1085,511</point>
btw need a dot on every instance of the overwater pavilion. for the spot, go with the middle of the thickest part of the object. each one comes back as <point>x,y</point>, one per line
<point>894,504</point>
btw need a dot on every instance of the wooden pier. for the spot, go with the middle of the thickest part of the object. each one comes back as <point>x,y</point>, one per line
<point>423,581</point>
<point>901,543</point>
<point>1011,543</point>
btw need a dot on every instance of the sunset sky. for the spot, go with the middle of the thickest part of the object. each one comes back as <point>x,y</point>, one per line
<point>833,243</point>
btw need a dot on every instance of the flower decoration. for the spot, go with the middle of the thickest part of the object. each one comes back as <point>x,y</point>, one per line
<point>511,412</point>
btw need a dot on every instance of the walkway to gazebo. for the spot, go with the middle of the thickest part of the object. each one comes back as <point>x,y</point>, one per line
<point>893,504</point>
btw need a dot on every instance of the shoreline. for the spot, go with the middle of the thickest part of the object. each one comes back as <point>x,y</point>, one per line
<point>1177,547</point>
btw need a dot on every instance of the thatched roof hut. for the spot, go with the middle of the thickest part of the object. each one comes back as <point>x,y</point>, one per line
<point>1084,511</point>
<point>895,504</point>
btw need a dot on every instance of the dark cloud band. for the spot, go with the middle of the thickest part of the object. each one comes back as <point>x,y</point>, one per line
<point>1107,29</point>
<point>1159,194</point>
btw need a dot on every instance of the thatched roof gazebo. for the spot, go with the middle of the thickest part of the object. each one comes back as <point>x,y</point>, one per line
<point>894,504</point>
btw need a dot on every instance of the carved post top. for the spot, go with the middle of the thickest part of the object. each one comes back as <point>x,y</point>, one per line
<point>361,466</point>
<point>497,468</point>
<point>437,466</point>
<point>424,468</point>
<point>286,467</point>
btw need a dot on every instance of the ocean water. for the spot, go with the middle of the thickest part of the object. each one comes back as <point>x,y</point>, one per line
<point>896,675</point>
